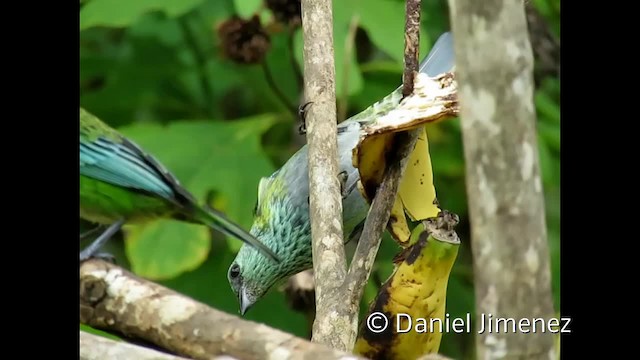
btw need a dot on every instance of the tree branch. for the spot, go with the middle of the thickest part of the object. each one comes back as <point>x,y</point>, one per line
<point>325,202</point>
<point>114,299</point>
<point>94,347</point>
<point>382,203</point>
<point>506,206</point>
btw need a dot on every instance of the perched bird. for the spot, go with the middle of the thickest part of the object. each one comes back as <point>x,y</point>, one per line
<point>281,216</point>
<point>119,183</point>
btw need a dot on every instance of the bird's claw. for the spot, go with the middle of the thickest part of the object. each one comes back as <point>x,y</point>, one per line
<point>302,115</point>
<point>342,178</point>
<point>91,251</point>
<point>88,233</point>
<point>344,191</point>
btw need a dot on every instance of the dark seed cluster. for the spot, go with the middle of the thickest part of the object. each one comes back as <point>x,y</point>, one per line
<point>244,41</point>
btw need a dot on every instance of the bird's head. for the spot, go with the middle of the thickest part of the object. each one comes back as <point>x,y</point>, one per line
<point>282,223</point>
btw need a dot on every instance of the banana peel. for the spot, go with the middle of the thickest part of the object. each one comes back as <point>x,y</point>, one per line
<point>433,100</point>
<point>417,288</point>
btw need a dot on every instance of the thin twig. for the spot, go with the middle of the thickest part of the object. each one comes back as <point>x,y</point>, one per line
<point>201,64</point>
<point>292,58</point>
<point>411,45</point>
<point>346,66</point>
<point>274,86</point>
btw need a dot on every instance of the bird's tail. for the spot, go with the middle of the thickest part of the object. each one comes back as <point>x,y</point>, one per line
<point>441,58</point>
<point>220,222</point>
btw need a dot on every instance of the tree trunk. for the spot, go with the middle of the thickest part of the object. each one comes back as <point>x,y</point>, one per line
<point>494,68</point>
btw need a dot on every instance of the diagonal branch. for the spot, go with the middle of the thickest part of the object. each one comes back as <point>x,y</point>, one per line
<point>116,300</point>
<point>386,193</point>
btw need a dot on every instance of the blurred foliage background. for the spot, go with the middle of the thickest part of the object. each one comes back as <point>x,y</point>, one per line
<point>212,87</point>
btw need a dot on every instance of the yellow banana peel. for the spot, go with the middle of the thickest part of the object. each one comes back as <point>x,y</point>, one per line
<point>417,291</point>
<point>433,99</point>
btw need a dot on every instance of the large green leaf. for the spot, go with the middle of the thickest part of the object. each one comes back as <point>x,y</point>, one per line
<point>223,157</point>
<point>121,13</point>
<point>134,74</point>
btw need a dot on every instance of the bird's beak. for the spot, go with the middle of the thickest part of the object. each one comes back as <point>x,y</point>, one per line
<point>245,302</point>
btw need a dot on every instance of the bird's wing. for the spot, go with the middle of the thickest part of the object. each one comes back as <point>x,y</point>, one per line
<point>123,163</point>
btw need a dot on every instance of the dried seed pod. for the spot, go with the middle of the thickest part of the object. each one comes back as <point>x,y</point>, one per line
<point>244,41</point>
<point>288,12</point>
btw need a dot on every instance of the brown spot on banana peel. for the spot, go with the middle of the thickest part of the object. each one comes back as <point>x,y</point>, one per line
<point>381,342</point>
<point>375,163</point>
<point>417,287</point>
<point>401,256</point>
<point>392,220</point>
<point>416,249</point>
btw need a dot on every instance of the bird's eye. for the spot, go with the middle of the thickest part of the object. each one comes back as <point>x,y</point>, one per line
<point>234,272</point>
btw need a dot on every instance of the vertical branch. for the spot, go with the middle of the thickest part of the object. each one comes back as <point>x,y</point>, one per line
<point>509,237</point>
<point>325,202</point>
<point>411,45</point>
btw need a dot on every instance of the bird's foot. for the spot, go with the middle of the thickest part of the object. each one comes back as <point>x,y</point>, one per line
<point>88,233</point>
<point>91,251</point>
<point>302,115</point>
<point>342,178</point>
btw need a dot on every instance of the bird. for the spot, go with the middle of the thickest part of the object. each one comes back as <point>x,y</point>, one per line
<point>281,216</point>
<point>121,183</point>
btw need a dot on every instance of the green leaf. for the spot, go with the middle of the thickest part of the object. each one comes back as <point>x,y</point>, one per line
<point>551,135</point>
<point>122,13</point>
<point>352,75</point>
<point>223,157</point>
<point>384,21</point>
<point>547,108</point>
<point>165,248</point>
<point>246,8</point>
<point>134,77</point>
